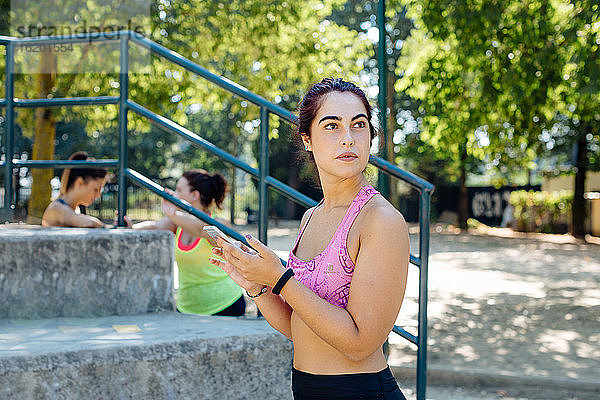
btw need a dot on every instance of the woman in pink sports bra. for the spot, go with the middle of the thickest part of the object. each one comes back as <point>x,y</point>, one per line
<point>341,292</point>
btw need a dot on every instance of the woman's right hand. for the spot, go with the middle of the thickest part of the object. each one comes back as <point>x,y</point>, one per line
<point>234,273</point>
<point>261,267</point>
<point>169,208</point>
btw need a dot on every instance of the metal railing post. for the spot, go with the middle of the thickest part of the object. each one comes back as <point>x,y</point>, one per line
<point>9,133</point>
<point>424,210</point>
<point>382,97</point>
<point>123,108</point>
<point>263,213</point>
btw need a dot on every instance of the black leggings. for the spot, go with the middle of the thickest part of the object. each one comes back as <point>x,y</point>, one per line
<point>235,310</point>
<point>376,385</point>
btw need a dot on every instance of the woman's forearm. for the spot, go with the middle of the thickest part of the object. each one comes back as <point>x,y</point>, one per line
<point>145,225</point>
<point>332,324</point>
<point>276,311</point>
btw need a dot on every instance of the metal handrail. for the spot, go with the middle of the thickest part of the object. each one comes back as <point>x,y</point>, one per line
<point>261,174</point>
<point>86,37</point>
<point>198,141</point>
<point>68,101</point>
<point>416,182</point>
<point>106,163</point>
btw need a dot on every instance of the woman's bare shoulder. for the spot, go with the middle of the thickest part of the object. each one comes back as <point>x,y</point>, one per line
<point>381,216</point>
<point>54,214</point>
<point>306,215</point>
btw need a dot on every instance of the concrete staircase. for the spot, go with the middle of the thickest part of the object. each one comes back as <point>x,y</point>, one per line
<point>87,314</point>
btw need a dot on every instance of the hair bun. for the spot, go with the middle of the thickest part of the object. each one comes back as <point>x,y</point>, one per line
<point>79,156</point>
<point>69,175</point>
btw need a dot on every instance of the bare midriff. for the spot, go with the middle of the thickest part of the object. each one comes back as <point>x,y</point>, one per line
<point>329,275</point>
<point>315,356</point>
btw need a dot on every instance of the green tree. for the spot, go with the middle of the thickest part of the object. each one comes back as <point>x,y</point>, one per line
<point>450,94</point>
<point>483,71</point>
<point>274,48</point>
<point>576,132</point>
<point>536,65</point>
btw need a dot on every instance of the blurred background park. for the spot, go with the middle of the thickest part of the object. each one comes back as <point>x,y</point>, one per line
<point>494,102</point>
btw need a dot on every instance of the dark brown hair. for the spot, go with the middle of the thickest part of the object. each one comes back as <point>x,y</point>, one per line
<point>70,175</point>
<point>212,187</point>
<point>310,104</point>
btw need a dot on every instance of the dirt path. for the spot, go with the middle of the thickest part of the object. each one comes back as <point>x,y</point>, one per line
<point>518,306</point>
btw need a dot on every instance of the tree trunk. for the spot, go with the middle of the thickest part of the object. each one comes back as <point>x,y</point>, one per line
<point>463,198</point>
<point>578,214</point>
<point>43,145</point>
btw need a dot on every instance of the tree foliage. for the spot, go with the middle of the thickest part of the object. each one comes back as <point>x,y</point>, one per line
<point>274,48</point>
<point>498,80</point>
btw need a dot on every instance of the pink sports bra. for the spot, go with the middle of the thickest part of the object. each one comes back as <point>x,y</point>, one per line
<point>329,274</point>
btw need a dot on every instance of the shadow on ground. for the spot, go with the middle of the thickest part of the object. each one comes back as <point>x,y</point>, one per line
<point>515,306</point>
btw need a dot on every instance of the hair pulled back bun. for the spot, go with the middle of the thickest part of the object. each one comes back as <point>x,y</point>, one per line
<point>70,175</point>
<point>211,186</point>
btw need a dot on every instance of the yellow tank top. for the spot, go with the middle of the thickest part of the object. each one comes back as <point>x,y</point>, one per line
<point>203,288</point>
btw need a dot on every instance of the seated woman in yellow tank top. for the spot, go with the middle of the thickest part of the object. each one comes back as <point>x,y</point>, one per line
<point>203,288</point>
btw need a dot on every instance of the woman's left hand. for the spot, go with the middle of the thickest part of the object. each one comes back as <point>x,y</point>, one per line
<point>168,208</point>
<point>125,218</point>
<point>261,268</point>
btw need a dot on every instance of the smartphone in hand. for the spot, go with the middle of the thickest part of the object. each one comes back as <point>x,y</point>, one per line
<point>215,232</point>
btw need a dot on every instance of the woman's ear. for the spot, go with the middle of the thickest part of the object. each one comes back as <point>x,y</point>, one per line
<point>79,181</point>
<point>306,141</point>
<point>195,195</point>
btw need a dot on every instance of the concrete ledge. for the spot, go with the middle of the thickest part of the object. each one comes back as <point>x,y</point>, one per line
<point>485,379</point>
<point>72,272</point>
<point>162,356</point>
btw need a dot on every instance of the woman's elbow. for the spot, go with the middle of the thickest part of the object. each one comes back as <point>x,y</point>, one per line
<point>93,223</point>
<point>363,347</point>
<point>359,353</point>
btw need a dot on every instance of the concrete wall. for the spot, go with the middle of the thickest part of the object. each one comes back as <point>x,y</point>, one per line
<point>74,272</point>
<point>168,356</point>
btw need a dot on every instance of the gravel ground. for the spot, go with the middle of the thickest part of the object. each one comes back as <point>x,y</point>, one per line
<point>461,393</point>
<point>512,305</point>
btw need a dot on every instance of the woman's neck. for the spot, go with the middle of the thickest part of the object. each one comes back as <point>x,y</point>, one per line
<point>341,192</point>
<point>70,199</point>
<point>198,205</point>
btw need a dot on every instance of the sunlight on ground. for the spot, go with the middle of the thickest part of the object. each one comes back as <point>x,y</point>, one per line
<point>588,298</point>
<point>557,341</point>
<point>467,352</point>
<point>450,275</point>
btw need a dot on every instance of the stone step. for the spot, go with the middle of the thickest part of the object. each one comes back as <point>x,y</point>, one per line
<point>148,356</point>
<point>58,272</point>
